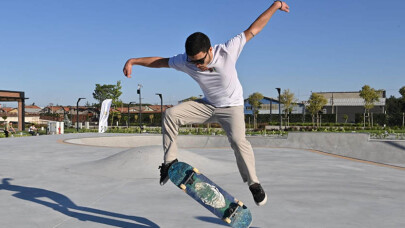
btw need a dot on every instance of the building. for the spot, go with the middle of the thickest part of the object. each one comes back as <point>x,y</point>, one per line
<point>270,106</point>
<point>32,109</point>
<point>148,109</point>
<point>350,104</point>
<point>32,114</point>
<point>6,110</point>
<point>68,114</point>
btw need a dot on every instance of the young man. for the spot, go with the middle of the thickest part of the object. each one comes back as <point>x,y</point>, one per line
<point>32,130</point>
<point>7,127</point>
<point>213,68</point>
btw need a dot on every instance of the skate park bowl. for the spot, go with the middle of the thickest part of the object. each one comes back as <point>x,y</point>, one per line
<point>91,180</point>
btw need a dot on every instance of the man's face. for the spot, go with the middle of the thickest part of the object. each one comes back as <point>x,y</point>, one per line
<point>201,60</point>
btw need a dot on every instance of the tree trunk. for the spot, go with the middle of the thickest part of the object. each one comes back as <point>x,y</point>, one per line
<point>313,120</point>
<point>254,121</point>
<point>364,120</point>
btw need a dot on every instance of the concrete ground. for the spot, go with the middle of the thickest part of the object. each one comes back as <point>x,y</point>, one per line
<point>47,182</point>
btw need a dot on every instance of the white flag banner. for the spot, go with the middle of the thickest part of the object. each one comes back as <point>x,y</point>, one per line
<point>104,112</point>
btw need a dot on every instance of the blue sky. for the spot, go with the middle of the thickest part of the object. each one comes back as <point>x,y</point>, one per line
<point>56,51</point>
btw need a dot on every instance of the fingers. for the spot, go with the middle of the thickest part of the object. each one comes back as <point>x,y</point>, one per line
<point>127,71</point>
<point>285,7</point>
<point>127,74</point>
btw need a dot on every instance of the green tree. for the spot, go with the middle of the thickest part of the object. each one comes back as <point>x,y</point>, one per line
<point>288,100</point>
<point>136,117</point>
<point>370,96</point>
<point>106,91</point>
<point>193,98</point>
<point>402,92</point>
<point>345,117</point>
<point>315,104</point>
<point>151,116</point>
<point>394,110</point>
<point>254,100</point>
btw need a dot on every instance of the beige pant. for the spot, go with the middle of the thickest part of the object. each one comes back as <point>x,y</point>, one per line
<point>232,121</point>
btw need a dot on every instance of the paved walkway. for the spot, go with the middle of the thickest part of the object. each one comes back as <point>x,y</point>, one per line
<point>45,182</point>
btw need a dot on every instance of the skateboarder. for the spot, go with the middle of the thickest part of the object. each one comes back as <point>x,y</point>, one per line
<point>213,68</point>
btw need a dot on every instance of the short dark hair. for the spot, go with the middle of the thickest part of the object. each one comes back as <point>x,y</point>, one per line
<point>196,43</point>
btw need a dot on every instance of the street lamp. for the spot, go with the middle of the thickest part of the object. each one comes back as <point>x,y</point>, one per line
<point>161,106</point>
<point>140,106</point>
<point>132,102</point>
<point>279,105</point>
<point>69,115</point>
<point>77,109</point>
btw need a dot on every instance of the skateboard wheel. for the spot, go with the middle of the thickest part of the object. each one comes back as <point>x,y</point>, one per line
<point>183,187</point>
<point>240,203</point>
<point>227,220</point>
<point>196,170</point>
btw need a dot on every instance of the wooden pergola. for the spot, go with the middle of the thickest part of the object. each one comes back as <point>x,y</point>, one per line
<point>10,96</point>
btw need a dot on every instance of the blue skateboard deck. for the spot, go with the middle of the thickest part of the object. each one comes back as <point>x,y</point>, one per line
<point>210,195</point>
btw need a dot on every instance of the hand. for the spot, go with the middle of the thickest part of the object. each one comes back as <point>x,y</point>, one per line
<point>128,68</point>
<point>283,6</point>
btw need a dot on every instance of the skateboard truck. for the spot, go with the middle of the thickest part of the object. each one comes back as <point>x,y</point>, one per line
<point>232,211</point>
<point>189,179</point>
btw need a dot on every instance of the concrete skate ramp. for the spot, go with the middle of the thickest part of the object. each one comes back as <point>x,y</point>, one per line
<point>142,163</point>
<point>64,185</point>
<point>352,145</point>
<point>184,141</point>
<point>119,141</point>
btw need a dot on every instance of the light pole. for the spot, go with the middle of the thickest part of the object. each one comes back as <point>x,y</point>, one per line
<point>70,115</point>
<point>140,106</point>
<point>279,105</point>
<point>132,102</point>
<point>161,106</point>
<point>77,111</point>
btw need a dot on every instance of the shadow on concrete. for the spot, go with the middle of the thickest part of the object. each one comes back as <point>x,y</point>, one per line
<point>397,145</point>
<point>213,220</point>
<point>64,205</point>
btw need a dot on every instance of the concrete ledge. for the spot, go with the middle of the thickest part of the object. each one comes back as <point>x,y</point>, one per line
<point>352,145</point>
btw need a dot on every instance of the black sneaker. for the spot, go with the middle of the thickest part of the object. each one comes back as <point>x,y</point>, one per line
<point>258,194</point>
<point>164,171</point>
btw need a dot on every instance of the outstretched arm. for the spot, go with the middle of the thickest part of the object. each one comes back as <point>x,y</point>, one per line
<point>262,20</point>
<point>152,62</point>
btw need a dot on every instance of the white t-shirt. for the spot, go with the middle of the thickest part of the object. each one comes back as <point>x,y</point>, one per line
<point>221,86</point>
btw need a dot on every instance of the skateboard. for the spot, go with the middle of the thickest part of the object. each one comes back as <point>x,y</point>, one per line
<point>210,195</point>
